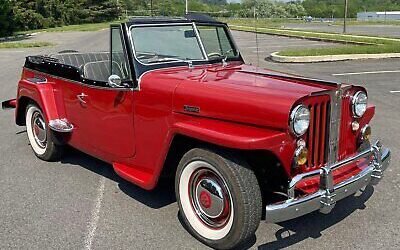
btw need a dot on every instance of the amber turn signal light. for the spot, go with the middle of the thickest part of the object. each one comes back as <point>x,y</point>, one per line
<point>366,132</point>
<point>301,155</point>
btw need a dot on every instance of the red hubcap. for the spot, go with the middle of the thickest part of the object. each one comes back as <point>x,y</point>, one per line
<point>205,199</point>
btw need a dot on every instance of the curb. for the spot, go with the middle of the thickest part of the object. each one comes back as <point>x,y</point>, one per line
<point>16,37</point>
<point>330,58</point>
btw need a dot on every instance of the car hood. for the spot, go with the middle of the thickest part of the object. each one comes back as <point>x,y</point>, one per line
<point>241,93</point>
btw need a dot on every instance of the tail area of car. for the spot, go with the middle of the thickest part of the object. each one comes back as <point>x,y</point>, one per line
<point>9,104</point>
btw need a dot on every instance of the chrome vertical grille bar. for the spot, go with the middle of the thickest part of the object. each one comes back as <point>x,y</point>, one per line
<point>334,127</point>
<point>326,178</point>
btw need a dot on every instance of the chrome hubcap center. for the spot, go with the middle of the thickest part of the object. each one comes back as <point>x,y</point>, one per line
<point>210,198</point>
<point>39,129</point>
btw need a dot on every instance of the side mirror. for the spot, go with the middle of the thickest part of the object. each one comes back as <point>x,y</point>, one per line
<point>189,34</point>
<point>115,81</point>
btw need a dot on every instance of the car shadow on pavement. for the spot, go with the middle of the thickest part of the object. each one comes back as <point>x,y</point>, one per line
<point>162,195</point>
<point>311,225</point>
<point>291,233</point>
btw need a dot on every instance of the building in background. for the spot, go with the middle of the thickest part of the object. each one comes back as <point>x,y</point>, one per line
<point>378,16</point>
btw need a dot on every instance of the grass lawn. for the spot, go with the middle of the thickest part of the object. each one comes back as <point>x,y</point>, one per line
<point>12,45</point>
<point>357,44</point>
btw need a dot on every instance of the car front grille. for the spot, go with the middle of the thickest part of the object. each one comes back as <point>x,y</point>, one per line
<point>317,137</point>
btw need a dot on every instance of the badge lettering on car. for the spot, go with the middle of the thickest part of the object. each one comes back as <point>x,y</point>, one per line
<point>192,109</point>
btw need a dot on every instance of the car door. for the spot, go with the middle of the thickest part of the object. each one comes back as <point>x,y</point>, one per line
<point>71,92</point>
<point>109,110</point>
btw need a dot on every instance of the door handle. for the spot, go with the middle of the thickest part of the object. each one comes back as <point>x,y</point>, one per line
<point>81,98</point>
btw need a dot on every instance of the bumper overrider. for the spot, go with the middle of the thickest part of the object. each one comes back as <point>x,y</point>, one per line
<point>328,194</point>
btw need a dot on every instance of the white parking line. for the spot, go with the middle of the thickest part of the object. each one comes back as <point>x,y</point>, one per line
<point>367,73</point>
<point>95,215</point>
<point>395,91</point>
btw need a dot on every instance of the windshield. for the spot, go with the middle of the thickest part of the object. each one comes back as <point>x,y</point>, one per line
<point>171,43</point>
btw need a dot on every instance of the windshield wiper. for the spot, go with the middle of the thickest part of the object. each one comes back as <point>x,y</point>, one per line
<point>170,59</point>
<point>148,55</point>
<point>161,58</point>
<point>166,59</point>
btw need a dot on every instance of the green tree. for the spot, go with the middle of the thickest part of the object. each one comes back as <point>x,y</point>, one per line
<point>103,10</point>
<point>272,9</point>
<point>6,27</point>
<point>28,14</point>
<point>327,8</point>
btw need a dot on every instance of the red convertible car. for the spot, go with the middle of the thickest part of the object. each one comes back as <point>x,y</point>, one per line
<point>174,96</point>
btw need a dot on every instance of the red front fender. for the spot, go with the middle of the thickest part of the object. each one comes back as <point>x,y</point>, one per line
<point>237,136</point>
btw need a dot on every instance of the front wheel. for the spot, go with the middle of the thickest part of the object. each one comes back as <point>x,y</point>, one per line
<point>219,198</point>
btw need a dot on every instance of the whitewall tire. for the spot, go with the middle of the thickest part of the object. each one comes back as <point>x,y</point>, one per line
<point>219,198</point>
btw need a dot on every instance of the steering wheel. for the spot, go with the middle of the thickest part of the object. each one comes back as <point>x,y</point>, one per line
<point>214,54</point>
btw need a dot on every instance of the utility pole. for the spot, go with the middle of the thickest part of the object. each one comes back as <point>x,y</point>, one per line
<point>346,4</point>
<point>186,6</point>
<point>119,17</point>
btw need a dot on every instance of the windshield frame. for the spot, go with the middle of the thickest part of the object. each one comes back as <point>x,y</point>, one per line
<point>205,59</point>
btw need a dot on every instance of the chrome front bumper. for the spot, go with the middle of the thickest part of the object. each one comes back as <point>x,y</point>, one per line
<point>328,194</point>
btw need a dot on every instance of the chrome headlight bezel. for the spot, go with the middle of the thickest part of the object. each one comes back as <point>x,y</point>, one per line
<point>356,100</point>
<point>294,118</point>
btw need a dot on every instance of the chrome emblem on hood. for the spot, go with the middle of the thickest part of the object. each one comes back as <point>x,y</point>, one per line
<point>192,109</point>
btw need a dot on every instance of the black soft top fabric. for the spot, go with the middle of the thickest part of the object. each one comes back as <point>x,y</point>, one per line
<point>189,18</point>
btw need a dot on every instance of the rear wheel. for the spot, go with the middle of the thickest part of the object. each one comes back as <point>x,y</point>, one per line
<point>219,198</point>
<point>40,136</point>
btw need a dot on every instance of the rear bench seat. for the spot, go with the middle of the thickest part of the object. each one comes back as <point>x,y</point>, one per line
<point>94,65</point>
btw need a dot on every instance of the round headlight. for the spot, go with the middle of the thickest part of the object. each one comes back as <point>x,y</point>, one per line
<point>299,120</point>
<point>359,103</point>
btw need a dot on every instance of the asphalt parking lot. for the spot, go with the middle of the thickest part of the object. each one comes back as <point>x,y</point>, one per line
<point>80,203</point>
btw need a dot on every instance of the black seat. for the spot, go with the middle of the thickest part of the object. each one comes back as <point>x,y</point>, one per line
<point>80,59</point>
<point>100,71</point>
<point>95,65</point>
